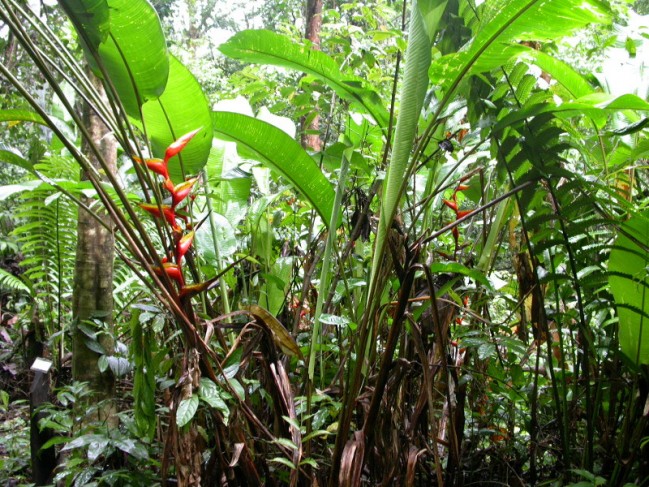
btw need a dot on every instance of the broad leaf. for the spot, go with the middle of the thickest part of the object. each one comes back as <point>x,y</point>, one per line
<point>130,45</point>
<point>10,157</point>
<point>179,110</point>
<point>275,148</point>
<point>412,95</point>
<point>592,105</point>
<point>266,47</point>
<point>90,18</point>
<point>629,280</point>
<point>210,393</point>
<point>229,185</point>
<point>186,410</point>
<point>13,116</point>
<point>457,268</point>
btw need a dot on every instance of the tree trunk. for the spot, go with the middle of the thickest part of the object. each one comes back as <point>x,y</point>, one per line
<point>92,306</point>
<point>310,136</point>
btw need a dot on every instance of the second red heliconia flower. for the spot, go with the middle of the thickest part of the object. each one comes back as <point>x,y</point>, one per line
<point>179,144</point>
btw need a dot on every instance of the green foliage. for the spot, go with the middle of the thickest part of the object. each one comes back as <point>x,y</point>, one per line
<point>123,41</point>
<point>14,445</point>
<point>181,108</point>
<point>278,150</point>
<point>271,48</point>
<point>473,323</point>
<point>9,282</point>
<point>627,278</point>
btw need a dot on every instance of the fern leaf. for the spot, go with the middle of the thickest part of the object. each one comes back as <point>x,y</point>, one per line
<point>9,282</point>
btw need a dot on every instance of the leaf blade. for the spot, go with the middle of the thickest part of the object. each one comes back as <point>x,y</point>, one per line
<point>266,47</point>
<point>281,152</point>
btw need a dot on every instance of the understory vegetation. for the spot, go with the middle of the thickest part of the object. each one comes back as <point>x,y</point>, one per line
<point>410,249</point>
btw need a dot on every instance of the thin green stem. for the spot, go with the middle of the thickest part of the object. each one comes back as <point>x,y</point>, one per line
<point>325,274</point>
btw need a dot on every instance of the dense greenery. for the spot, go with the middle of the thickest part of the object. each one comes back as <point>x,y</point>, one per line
<point>451,292</point>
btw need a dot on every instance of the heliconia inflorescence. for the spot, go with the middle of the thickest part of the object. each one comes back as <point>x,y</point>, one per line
<point>452,204</point>
<point>168,213</point>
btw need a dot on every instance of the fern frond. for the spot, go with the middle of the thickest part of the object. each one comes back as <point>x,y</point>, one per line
<point>9,282</point>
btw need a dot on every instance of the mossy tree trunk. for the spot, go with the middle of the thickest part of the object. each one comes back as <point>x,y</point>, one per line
<point>93,281</point>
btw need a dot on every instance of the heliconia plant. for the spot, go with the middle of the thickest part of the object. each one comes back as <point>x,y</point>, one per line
<point>182,237</point>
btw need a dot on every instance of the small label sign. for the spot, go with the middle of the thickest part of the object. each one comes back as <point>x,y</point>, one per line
<point>41,365</point>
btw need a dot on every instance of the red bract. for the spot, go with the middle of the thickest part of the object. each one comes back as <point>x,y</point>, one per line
<point>462,187</point>
<point>181,191</point>
<point>169,185</point>
<point>179,144</point>
<point>183,246</point>
<point>168,212</point>
<point>461,213</point>
<point>451,204</point>
<point>173,271</point>
<point>158,166</point>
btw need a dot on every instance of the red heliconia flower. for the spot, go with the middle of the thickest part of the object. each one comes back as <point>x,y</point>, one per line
<point>183,245</point>
<point>462,187</point>
<point>461,213</point>
<point>181,191</point>
<point>456,234</point>
<point>168,212</point>
<point>451,204</point>
<point>179,144</point>
<point>173,271</point>
<point>169,185</point>
<point>158,166</point>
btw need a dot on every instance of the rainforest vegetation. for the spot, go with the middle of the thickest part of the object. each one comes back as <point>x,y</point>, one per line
<point>324,242</point>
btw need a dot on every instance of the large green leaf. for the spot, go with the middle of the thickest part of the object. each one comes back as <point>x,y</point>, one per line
<point>629,280</point>
<point>266,47</point>
<point>13,116</point>
<point>179,110</point>
<point>130,45</point>
<point>413,92</point>
<point>90,18</point>
<point>10,157</point>
<point>507,22</point>
<point>275,148</point>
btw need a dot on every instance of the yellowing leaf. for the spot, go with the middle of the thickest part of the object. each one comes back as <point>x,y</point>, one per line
<point>282,337</point>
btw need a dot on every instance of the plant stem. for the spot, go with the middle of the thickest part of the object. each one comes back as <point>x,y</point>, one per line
<point>325,274</point>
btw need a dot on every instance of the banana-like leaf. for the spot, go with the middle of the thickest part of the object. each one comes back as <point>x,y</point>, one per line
<point>507,22</point>
<point>273,147</point>
<point>179,110</point>
<point>14,116</point>
<point>413,91</point>
<point>90,18</point>
<point>127,37</point>
<point>629,281</point>
<point>266,47</point>
<point>10,157</point>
